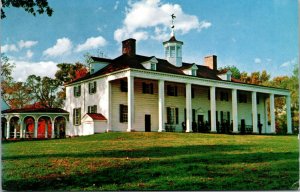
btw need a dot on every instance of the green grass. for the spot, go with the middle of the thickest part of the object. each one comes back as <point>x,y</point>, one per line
<point>152,161</point>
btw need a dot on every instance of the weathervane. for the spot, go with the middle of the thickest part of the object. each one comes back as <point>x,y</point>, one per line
<point>173,18</point>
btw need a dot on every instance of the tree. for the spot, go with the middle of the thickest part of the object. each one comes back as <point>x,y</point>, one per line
<point>6,68</point>
<point>264,77</point>
<point>17,94</point>
<point>31,6</point>
<point>44,91</point>
<point>69,72</point>
<point>235,71</point>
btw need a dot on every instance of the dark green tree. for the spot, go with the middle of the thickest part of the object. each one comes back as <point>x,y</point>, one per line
<point>31,6</point>
<point>235,71</point>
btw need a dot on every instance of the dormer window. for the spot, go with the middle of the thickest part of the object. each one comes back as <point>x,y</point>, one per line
<point>194,72</point>
<point>150,64</point>
<point>172,49</point>
<point>153,66</point>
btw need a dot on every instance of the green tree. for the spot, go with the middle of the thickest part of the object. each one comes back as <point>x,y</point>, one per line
<point>235,71</point>
<point>6,68</point>
<point>44,90</point>
<point>31,6</point>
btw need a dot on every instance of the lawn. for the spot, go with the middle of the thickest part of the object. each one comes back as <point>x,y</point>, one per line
<point>152,161</point>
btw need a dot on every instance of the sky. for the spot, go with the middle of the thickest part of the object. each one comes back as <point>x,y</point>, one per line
<point>253,35</point>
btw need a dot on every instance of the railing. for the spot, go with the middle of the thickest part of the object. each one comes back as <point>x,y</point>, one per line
<point>248,129</point>
<point>170,127</point>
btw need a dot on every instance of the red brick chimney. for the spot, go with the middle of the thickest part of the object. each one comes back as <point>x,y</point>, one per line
<point>128,47</point>
<point>211,62</point>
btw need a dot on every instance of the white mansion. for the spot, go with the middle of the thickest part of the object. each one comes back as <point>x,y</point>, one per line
<point>144,93</point>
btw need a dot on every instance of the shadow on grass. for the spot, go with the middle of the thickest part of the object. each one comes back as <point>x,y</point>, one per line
<point>173,169</point>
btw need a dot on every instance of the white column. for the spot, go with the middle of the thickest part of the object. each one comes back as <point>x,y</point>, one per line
<point>188,89</point>
<point>161,105</point>
<point>130,81</point>
<point>46,129</point>
<point>35,128</point>
<point>21,129</point>
<point>266,115</point>
<point>234,111</point>
<point>109,117</point>
<point>213,124</point>
<point>52,129</point>
<point>288,114</point>
<point>15,129</point>
<point>272,113</point>
<point>254,112</point>
<point>8,129</point>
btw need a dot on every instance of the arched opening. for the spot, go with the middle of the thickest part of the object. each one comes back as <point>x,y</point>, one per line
<point>60,127</point>
<point>29,127</point>
<point>3,127</point>
<point>14,127</point>
<point>44,127</point>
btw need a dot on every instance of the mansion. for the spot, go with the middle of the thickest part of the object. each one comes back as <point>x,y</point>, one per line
<point>144,93</point>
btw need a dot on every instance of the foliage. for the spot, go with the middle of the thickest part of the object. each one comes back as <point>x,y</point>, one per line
<point>31,6</point>
<point>152,161</point>
<point>69,72</point>
<point>44,90</point>
<point>234,70</point>
<point>16,94</point>
<point>6,68</point>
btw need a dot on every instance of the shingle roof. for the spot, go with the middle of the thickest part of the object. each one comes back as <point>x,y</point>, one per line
<point>96,116</point>
<point>124,61</point>
<point>35,110</point>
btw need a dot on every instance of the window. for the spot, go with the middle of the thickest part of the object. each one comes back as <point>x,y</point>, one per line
<point>257,100</point>
<point>172,90</point>
<point>76,116</point>
<point>194,72</point>
<point>172,115</point>
<point>77,91</point>
<point>148,88</point>
<point>92,109</point>
<point>224,96</point>
<point>123,113</point>
<point>172,49</point>
<point>242,98</point>
<point>124,86</point>
<point>92,87</point>
<point>153,66</point>
<point>178,51</point>
<point>167,52</point>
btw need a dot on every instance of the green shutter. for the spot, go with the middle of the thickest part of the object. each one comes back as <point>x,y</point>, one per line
<point>79,90</point>
<point>95,86</point>
<point>177,115</point>
<point>121,111</point>
<point>74,111</point>
<point>168,115</point>
<point>144,87</point>
<point>151,88</point>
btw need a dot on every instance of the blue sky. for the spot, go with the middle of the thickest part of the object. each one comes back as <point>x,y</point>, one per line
<point>253,35</point>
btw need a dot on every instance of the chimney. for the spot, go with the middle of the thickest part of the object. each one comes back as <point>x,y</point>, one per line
<point>128,47</point>
<point>211,62</point>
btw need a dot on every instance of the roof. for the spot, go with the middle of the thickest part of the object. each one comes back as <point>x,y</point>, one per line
<point>35,110</point>
<point>124,61</point>
<point>222,71</point>
<point>172,39</point>
<point>96,116</point>
<point>100,59</point>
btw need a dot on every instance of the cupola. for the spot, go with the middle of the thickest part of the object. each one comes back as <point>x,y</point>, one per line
<point>173,48</point>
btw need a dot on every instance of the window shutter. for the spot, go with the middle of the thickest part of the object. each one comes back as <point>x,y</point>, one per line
<point>176,91</point>
<point>208,94</point>
<point>74,111</point>
<point>121,112</point>
<point>222,116</point>
<point>90,91</point>
<point>209,117</point>
<point>144,87</point>
<point>95,108</point>
<point>74,91</point>
<point>168,89</point>
<point>79,116</point>
<point>193,92</point>
<point>95,86</point>
<point>194,115</point>
<point>168,115</point>
<point>151,88</point>
<point>228,116</point>
<point>184,114</point>
<point>79,90</point>
<point>177,119</point>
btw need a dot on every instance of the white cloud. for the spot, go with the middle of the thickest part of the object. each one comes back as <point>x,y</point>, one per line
<point>116,5</point>
<point>289,63</point>
<point>9,48</point>
<point>26,44</point>
<point>62,46</point>
<point>24,68</point>
<point>29,54</point>
<point>91,43</point>
<point>257,60</point>
<point>153,16</point>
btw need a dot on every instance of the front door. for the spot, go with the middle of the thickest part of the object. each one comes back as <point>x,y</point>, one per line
<point>148,123</point>
<point>200,123</point>
<point>243,126</point>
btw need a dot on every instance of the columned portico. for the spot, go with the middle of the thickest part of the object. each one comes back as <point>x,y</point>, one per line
<point>21,128</point>
<point>188,90</point>
<point>234,111</point>
<point>213,127</point>
<point>8,129</point>
<point>254,112</point>
<point>52,129</point>
<point>288,114</point>
<point>130,81</point>
<point>161,105</point>
<point>272,113</point>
